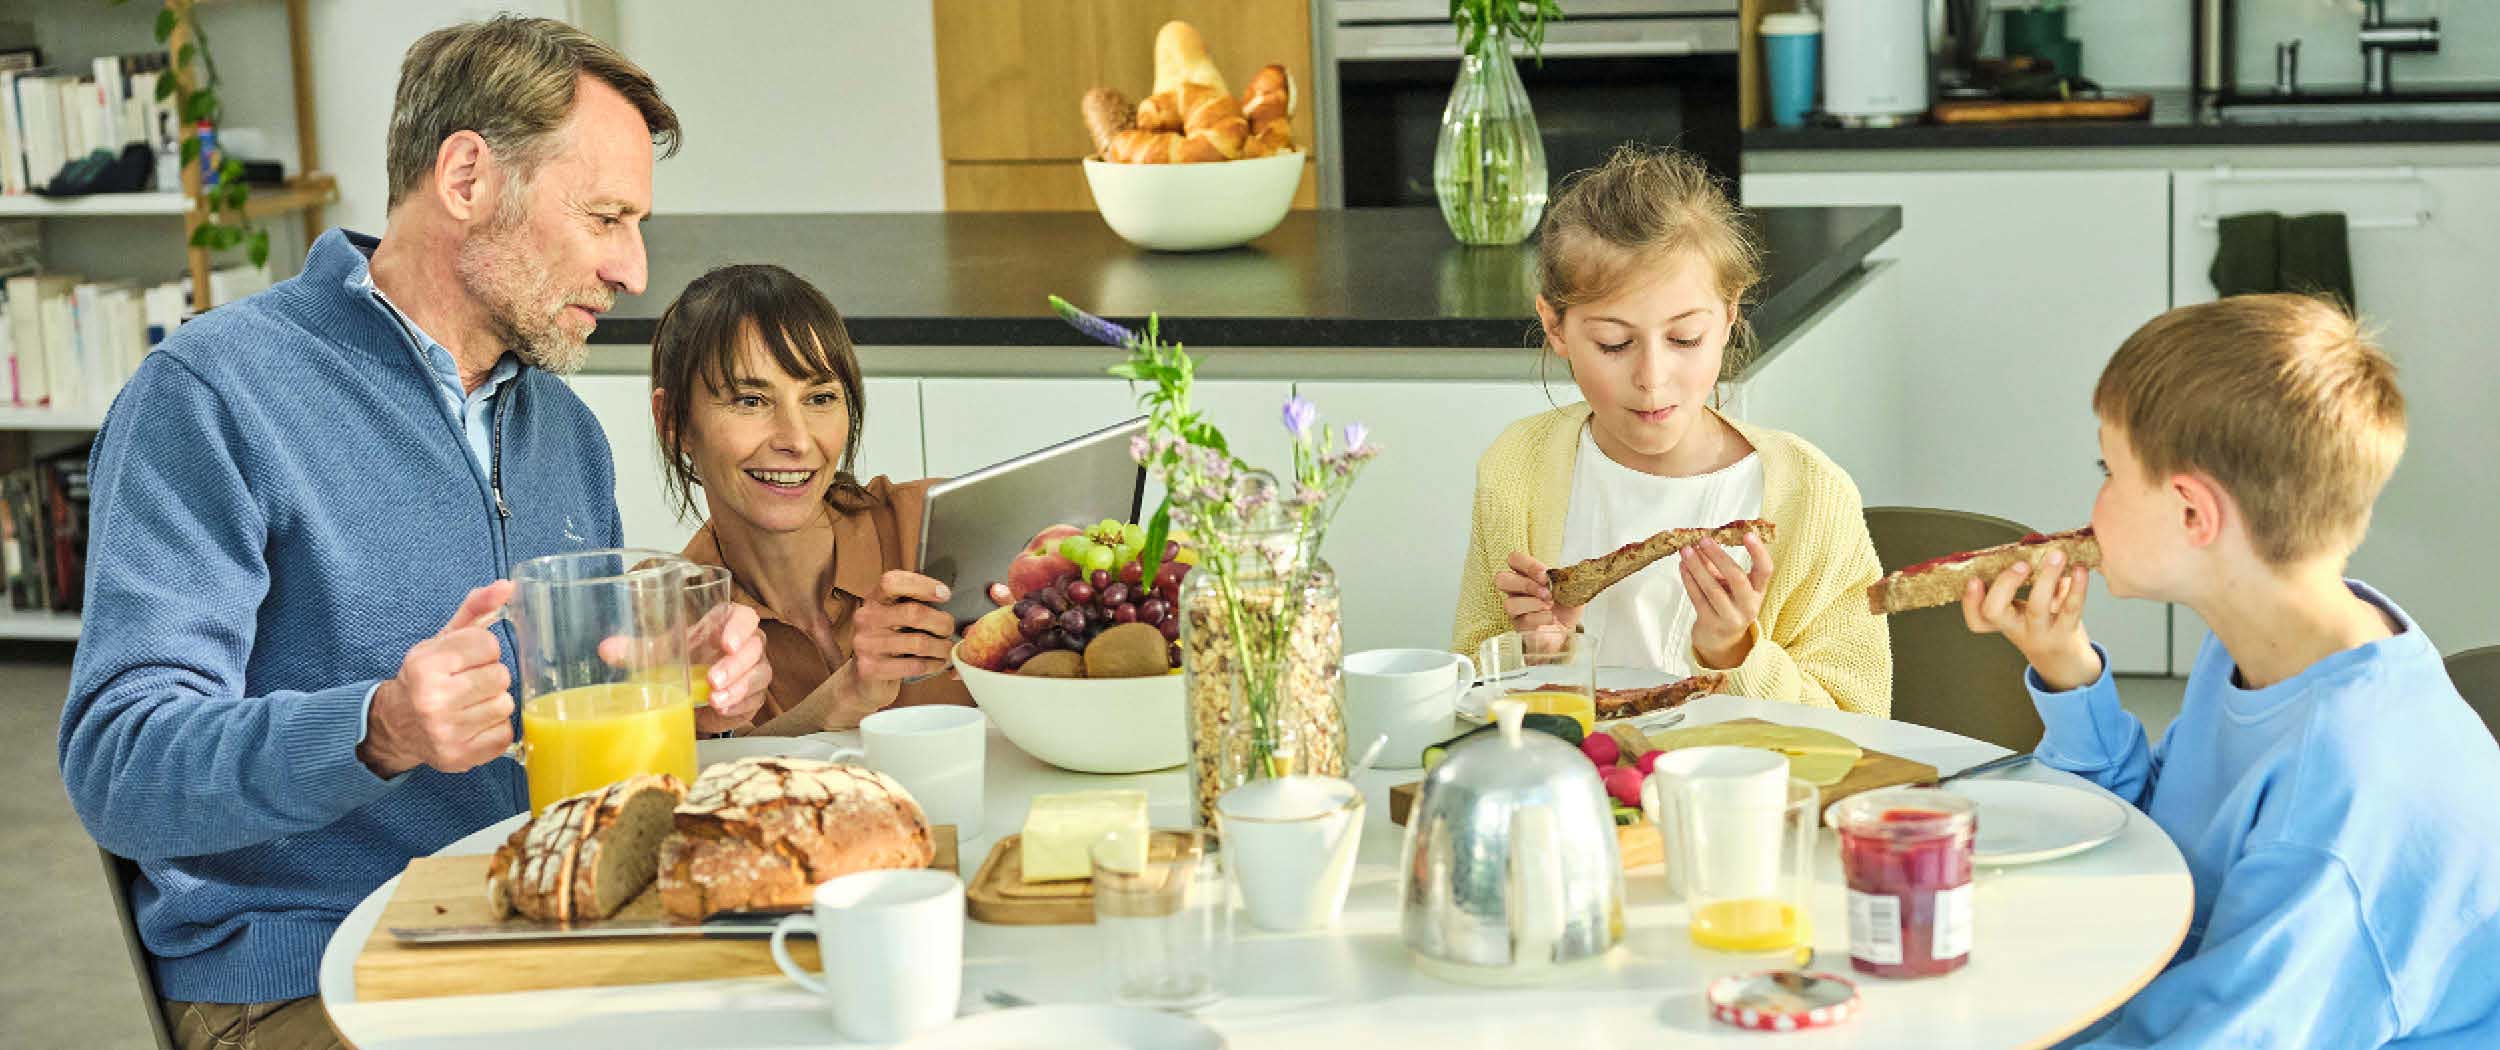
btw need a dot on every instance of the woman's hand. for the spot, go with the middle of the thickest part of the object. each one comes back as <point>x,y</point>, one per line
<point>899,633</point>
<point>1527,600</point>
<point>1726,600</point>
<point>2048,628</point>
<point>739,672</point>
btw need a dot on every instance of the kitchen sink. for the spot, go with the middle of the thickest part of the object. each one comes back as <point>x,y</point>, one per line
<point>2358,112</point>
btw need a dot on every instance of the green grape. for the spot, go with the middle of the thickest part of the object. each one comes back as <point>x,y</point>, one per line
<point>1099,557</point>
<point>1074,547</point>
<point>1133,538</point>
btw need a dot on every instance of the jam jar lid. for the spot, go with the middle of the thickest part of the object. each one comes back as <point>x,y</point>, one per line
<point>1783,1000</point>
<point>1906,813</point>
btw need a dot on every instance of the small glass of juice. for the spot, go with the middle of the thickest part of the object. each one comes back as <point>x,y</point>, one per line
<point>1906,853</point>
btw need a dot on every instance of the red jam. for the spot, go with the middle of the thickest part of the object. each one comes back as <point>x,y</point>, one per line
<point>1907,857</point>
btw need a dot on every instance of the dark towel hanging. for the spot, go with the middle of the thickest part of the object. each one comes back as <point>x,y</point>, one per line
<point>2263,252</point>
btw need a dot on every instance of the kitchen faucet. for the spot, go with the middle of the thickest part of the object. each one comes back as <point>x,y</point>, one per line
<point>2381,39</point>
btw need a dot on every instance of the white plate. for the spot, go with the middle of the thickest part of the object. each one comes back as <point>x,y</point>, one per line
<point>2024,821</point>
<point>1074,1027</point>
<point>726,749</point>
<point>1475,705</point>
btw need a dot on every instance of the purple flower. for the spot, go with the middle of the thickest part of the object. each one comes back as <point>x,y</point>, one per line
<point>1095,327</point>
<point>1140,449</point>
<point>1299,416</point>
<point>1355,433</point>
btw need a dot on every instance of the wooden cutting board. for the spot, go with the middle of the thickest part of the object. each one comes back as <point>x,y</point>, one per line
<point>998,893</point>
<point>1641,843</point>
<point>437,892</point>
<point>1993,111</point>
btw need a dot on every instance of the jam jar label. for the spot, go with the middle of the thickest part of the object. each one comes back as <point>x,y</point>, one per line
<point>1953,923</point>
<point>1875,928</point>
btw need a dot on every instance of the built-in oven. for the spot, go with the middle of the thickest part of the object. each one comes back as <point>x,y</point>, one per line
<point>1662,72</point>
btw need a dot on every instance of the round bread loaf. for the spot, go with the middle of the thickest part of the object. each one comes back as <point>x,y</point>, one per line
<point>587,855</point>
<point>760,834</point>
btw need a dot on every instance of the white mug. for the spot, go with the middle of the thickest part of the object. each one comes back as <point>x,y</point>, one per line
<point>892,943</point>
<point>1733,783</point>
<point>937,752</point>
<point>1290,844</point>
<point>1408,695</point>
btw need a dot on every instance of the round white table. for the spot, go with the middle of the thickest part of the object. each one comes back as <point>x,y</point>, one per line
<point>2057,945</point>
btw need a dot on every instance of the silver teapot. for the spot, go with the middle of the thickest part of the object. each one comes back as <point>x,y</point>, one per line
<point>1511,872</point>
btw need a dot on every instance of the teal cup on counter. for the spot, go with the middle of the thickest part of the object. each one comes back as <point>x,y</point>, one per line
<point>1791,52</point>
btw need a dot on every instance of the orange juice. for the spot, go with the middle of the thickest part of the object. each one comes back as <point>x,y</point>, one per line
<point>1753,924</point>
<point>595,735</point>
<point>698,680</point>
<point>1579,706</point>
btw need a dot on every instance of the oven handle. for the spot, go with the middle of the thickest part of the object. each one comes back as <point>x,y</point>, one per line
<point>1553,49</point>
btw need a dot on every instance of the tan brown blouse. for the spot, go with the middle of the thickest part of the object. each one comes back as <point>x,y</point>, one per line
<point>866,543</point>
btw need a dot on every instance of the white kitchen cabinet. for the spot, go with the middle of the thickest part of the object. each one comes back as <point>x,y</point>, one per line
<point>2426,291</point>
<point>2015,287</point>
<point>889,444</point>
<point>1400,537</point>
<point>972,423</point>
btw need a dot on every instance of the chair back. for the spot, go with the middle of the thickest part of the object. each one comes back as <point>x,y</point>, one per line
<point>1943,676</point>
<point>2477,675</point>
<point>119,873</point>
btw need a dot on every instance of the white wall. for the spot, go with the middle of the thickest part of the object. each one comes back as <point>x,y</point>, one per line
<point>794,105</point>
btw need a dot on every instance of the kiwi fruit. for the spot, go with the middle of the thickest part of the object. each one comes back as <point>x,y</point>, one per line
<point>1130,650</point>
<point>1058,663</point>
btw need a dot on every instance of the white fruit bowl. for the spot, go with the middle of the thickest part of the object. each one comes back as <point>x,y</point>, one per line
<point>1195,207</point>
<point>1101,725</point>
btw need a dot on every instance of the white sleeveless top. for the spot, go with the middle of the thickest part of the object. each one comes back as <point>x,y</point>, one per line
<point>1646,621</point>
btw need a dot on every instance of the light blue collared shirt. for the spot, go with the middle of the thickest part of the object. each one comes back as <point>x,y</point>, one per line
<point>475,410</point>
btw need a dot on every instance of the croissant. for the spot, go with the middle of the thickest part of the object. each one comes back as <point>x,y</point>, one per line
<point>1269,96</point>
<point>1139,146</point>
<point>1268,138</point>
<point>1181,58</point>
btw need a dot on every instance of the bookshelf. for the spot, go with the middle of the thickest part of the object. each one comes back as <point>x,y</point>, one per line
<point>13,418</point>
<point>27,626</point>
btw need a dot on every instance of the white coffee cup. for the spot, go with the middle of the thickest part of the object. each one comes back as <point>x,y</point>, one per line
<point>892,943</point>
<point>1409,695</point>
<point>937,752</point>
<point>1740,791</point>
<point>1289,843</point>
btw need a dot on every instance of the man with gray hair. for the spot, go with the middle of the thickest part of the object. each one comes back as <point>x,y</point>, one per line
<point>269,712</point>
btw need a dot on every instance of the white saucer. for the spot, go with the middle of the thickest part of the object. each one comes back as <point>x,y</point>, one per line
<point>726,749</point>
<point>1077,1027</point>
<point>2025,821</point>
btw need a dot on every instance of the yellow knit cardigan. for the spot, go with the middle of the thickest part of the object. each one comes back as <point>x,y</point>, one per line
<point>1814,642</point>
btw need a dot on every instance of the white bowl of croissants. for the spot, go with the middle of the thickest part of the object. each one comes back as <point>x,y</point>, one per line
<point>1193,167</point>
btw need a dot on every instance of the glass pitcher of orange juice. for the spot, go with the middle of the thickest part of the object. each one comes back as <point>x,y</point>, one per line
<point>601,638</point>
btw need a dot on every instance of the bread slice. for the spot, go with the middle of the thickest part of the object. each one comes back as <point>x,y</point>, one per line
<point>1939,581</point>
<point>587,855</point>
<point>1576,585</point>
<point>1625,703</point>
<point>759,834</point>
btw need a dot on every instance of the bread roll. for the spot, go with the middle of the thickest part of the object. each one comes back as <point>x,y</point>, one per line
<point>587,855</point>
<point>760,834</point>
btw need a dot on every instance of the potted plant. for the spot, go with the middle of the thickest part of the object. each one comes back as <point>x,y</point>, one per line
<point>1488,167</point>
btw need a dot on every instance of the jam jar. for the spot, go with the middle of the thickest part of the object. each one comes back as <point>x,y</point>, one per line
<point>1906,853</point>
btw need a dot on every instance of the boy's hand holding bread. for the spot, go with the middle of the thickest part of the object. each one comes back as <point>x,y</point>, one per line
<point>2047,627</point>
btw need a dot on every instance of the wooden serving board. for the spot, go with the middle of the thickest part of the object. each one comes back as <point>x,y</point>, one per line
<point>2112,107</point>
<point>438,892</point>
<point>998,893</point>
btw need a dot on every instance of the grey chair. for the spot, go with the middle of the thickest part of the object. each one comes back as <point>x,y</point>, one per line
<point>118,875</point>
<point>1943,676</point>
<point>2477,675</point>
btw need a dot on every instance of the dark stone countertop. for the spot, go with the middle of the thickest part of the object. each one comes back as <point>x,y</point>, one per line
<point>2174,122</point>
<point>1384,278</point>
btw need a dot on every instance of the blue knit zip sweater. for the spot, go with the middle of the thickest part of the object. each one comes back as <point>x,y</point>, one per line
<point>281,507</point>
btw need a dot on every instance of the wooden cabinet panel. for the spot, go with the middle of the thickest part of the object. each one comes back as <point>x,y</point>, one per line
<point>1010,72</point>
<point>1050,186</point>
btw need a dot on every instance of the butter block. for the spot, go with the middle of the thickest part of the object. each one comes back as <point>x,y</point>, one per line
<point>1060,832</point>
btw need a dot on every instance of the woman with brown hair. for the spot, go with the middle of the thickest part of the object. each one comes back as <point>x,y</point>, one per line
<point>756,395</point>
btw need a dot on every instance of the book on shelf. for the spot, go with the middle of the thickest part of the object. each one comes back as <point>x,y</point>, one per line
<point>70,343</point>
<point>50,116</point>
<point>43,532</point>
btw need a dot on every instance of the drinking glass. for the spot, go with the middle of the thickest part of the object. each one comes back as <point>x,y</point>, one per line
<point>707,602</point>
<point>601,637</point>
<point>1166,924</point>
<point>1555,672</point>
<point>1745,859</point>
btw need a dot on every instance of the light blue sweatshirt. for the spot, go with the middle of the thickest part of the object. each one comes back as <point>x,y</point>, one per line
<point>2340,829</point>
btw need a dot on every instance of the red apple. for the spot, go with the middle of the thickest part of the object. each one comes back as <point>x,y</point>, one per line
<point>1040,564</point>
<point>986,643</point>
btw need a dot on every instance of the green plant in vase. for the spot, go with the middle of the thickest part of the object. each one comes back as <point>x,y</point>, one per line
<point>1488,167</point>
<point>1260,639</point>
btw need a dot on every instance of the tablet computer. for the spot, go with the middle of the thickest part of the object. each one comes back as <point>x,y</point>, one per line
<point>973,526</point>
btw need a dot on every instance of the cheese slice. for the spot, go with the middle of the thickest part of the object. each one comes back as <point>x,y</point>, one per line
<point>1815,756</point>
<point>1060,832</point>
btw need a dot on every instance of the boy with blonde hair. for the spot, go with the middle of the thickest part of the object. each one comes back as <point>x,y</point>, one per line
<point>2326,784</point>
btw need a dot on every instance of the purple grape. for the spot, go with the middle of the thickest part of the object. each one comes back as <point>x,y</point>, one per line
<point>1171,550</point>
<point>1018,655</point>
<point>1053,640</point>
<point>1131,573</point>
<point>1170,593</point>
<point>1100,579</point>
<point>1055,601</point>
<point>1171,572</point>
<point>1124,613</point>
<point>1115,595</point>
<point>1072,621</point>
<point>1172,653</point>
<point>1026,606</point>
<point>1035,622</point>
<point>1153,610</point>
<point>1080,593</point>
<point>1171,628</point>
